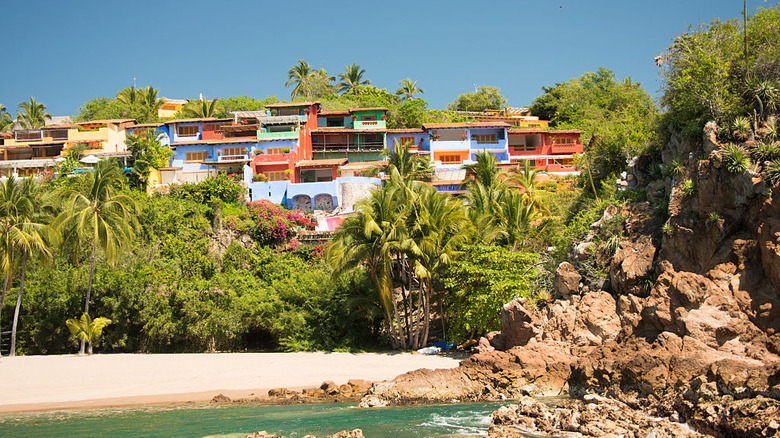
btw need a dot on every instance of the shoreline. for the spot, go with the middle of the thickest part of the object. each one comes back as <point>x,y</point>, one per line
<point>54,383</point>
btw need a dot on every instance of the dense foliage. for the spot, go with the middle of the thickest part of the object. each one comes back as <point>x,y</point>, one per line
<point>484,97</point>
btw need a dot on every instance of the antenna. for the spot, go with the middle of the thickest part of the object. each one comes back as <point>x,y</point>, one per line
<point>133,81</point>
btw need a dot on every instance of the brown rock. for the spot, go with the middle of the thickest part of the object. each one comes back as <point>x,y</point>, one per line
<point>359,384</point>
<point>221,398</point>
<point>518,323</point>
<point>330,388</point>
<point>357,433</point>
<point>567,280</point>
<point>262,434</point>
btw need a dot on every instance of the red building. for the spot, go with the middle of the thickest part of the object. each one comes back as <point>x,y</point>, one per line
<point>549,150</point>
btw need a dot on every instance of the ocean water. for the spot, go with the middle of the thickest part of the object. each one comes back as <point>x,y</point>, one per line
<point>204,420</point>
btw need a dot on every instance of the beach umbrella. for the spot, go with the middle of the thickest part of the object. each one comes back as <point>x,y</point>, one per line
<point>90,159</point>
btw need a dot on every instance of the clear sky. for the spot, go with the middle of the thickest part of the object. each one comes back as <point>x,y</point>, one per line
<point>66,52</point>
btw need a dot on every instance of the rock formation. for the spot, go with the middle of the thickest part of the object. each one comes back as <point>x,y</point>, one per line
<point>689,330</point>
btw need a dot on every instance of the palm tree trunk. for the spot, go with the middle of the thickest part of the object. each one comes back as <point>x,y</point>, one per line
<point>427,312</point>
<point>12,350</point>
<point>2,299</point>
<point>89,288</point>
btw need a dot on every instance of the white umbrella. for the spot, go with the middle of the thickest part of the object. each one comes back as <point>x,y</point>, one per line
<point>90,159</point>
<point>59,160</point>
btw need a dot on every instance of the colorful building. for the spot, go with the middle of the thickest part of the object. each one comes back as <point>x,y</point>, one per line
<point>549,150</point>
<point>357,134</point>
<point>170,107</point>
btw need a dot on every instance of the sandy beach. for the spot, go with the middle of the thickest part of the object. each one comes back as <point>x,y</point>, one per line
<point>34,383</point>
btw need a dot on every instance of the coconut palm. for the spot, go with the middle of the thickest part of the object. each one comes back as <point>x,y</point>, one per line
<point>298,75</point>
<point>31,236</point>
<point>410,166</point>
<point>351,78</point>
<point>201,108</point>
<point>370,239</point>
<point>33,115</point>
<point>6,121</point>
<point>86,329</point>
<point>13,205</point>
<point>526,178</point>
<point>150,103</point>
<point>408,89</point>
<point>129,96</point>
<point>101,215</point>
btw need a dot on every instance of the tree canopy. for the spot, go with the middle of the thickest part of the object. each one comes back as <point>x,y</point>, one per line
<point>485,97</point>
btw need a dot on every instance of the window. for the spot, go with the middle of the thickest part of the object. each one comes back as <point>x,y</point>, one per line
<point>334,122</point>
<point>196,156</point>
<point>450,159</point>
<point>275,176</point>
<point>407,141</point>
<point>368,118</point>
<point>187,131</point>
<point>523,147</point>
<point>233,151</point>
<point>272,151</point>
<point>484,138</point>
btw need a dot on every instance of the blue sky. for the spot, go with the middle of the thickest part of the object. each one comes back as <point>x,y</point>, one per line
<point>66,52</point>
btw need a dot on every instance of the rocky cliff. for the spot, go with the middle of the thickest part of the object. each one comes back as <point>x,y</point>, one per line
<point>688,327</point>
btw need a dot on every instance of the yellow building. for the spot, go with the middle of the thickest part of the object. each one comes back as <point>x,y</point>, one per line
<point>519,117</point>
<point>170,107</point>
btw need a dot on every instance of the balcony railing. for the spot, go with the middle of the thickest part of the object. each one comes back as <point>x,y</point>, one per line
<point>564,148</point>
<point>370,124</point>
<point>277,135</point>
<point>36,135</point>
<point>492,146</point>
<point>348,147</point>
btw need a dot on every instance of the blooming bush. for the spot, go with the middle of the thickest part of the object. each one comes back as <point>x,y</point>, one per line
<point>274,225</point>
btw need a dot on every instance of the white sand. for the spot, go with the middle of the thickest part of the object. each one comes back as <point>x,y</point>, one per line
<point>57,382</point>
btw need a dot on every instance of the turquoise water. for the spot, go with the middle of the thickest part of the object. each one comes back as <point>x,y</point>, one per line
<point>461,420</point>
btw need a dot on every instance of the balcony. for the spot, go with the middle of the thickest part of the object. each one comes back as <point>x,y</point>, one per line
<point>445,145</point>
<point>32,135</point>
<point>366,146</point>
<point>370,124</point>
<point>282,135</point>
<point>566,148</point>
<point>499,145</point>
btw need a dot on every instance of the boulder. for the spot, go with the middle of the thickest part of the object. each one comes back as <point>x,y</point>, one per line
<point>519,323</point>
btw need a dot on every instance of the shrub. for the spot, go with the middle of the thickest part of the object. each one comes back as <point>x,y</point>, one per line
<point>258,177</point>
<point>741,127</point>
<point>713,216</point>
<point>766,152</point>
<point>735,159</point>
<point>676,168</point>
<point>772,172</point>
<point>225,187</point>
<point>688,187</point>
<point>667,229</point>
<point>273,225</point>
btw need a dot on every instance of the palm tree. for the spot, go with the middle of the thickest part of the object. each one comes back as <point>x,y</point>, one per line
<point>485,189</point>
<point>86,329</point>
<point>33,115</point>
<point>130,96</point>
<point>150,102</point>
<point>201,108</point>
<point>408,89</point>
<point>13,204</point>
<point>369,239</point>
<point>6,121</point>
<point>31,236</point>
<point>526,178</point>
<point>298,75</point>
<point>101,214</point>
<point>351,78</point>
<point>409,165</point>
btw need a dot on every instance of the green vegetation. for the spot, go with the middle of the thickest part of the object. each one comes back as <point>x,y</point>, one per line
<point>735,159</point>
<point>86,329</point>
<point>32,114</point>
<point>484,97</point>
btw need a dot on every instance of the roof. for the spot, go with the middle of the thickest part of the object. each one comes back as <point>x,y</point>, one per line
<point>198,119</point>
<point>404,130</point>
<point>288,104</point>
<point>322,163</point>
<point>217,141</point>
<point>50,127</point>
<point>371,108</point>
<point>33,145</point>
<point>466,125</point>
<point>325,130</point>
<point>364,164</point>
<point>174,101</point>
<point>517,110</point>
<point>333,113</point>
<point>94,122</point>
<point>279,120</point>
<point>270,163</point>
<point>170,168</point>
<point>249,114</point>
<point>544,131</point>
<point>146,125</point>
<point>58,120</point>
<point>232,128</point>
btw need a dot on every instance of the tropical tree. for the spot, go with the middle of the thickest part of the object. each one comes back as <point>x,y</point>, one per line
<point>410,166</point>
<point>130,96</point>
<point>101,215</point>
<point>32,236</point>
<point>13,205</point>
<point>527,179</point>
<point>351,78</point>
<point>6,121</point>
<point>408,89</point>
<point>485,97</point>
<point>298,75</point>
<point>201,108</point>
<point>150,103</point>
<point>86,329</point>
<point>33,114</point>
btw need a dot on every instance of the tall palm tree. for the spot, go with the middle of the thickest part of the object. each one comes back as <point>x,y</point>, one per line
<point>33,115</point>
<point>409,165</point>
<point>298,75</point>
<point>369,239</point>
<point>201,108</point>
<point>102,215</point>
<point>6,121</point>
<point>408,89</point>
<point>32,236</point>
<point>485,187</point>
<point>527,179</point>
<point>150,103</point>
<point>129,96</point>
<point>13,205</point>
<point>351,78</point>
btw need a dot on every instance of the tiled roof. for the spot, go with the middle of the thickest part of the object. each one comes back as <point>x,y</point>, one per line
<point>249,114</point>
<point>174,101</point>
<point>325,130</point>
<point>94,122</point>
<point>372,108</point>
<point>322,163</point>
<point>466,125</point>
<point>404,130</point>
<point>217,141</point>
<point>147,125</point>
<point>545,131</point>
<point>289,104</point>
<point>364,164</point>
<point>198,119</point>
<point>334,113</point>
